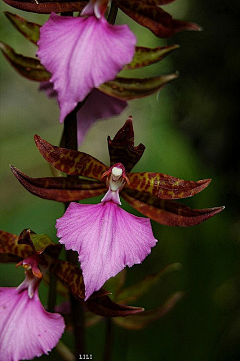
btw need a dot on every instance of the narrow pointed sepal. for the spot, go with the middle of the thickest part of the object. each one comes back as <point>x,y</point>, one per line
<point>134,88</point>
<point>104,306</point>
<point>70,161</point>
<point>47,6</point>
<point>60,189</point>
<point>28,67</point>
<point>165,186</point>
<point>154,18</point>
<point>147,56</point>
<point>10,250</point>
<point>121,147</point>
<point>28,29</point>
<point>167,212</point>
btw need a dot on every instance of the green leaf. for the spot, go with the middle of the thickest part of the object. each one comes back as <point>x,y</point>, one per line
<point>28,67</point>
<point>70,161</point>
<point>135,291</point>
<point>47,6</point>
<point>139,321</point>
<point>146,56</point>
<point>133,88</point>
<point>29,30</point>
<point>60,189</point>
<point>121,148</point>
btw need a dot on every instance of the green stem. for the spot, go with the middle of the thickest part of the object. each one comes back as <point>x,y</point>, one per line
<point>112,13</point>
<point>108,339</point>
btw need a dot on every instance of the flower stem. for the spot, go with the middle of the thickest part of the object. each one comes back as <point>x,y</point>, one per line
<point>69,141</point>
<point>112,13</point>
<point>108,339</point>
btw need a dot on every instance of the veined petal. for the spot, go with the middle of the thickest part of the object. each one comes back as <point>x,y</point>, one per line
<point>81,54</point>
<point>26,329</point>
<point>97,106</point>
<point>107,239</point>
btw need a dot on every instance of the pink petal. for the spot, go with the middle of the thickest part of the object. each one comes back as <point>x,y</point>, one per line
<point>98,106</point>
<point>107,239</point>
<point>26,329</point>
<point>82,53</point>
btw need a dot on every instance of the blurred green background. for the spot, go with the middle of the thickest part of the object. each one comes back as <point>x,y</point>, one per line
<point>191,131</point>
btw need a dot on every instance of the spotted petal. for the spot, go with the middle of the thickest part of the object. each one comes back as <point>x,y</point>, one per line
<point>81,54</point>
<point>107,239</point>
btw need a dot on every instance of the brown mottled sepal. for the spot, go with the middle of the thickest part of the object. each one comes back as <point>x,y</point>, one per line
<point>167,212</point>
<point>133,88</point>
<point>29,30</point>
<point>154,18</point>
<point>70,161</point>
<point>165,186</point>
<point>28,67</point>
<point>146,56</point>
<point>47,6</point>
<point>10,250</point>
<point>121,148</point>
<point>60,189</point>
<point>104,306</point>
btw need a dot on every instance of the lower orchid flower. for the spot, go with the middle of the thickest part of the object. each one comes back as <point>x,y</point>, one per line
<point>27,330</point>
<point>106,237</point>
<point>82,53</point>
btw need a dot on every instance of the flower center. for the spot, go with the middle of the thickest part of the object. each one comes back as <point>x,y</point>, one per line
<point>115,179</point>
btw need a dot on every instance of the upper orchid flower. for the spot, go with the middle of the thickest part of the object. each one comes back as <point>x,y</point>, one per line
<point>82,53</point>
<point>26,329</point>
<point>106,237</point>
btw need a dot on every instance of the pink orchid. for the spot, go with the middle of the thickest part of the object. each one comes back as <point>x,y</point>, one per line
<point>26,329</point>
<point>97,106</point>
<point>82,53</point>
<point>106,237</point>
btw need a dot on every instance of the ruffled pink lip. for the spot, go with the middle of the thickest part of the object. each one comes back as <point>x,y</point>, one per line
<point>82,53</point>
<point>107,239</point>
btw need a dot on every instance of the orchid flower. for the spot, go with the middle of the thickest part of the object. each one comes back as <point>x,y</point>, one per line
<point>83,52</point>
<point>106,237</point>
<point>26,329</point>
